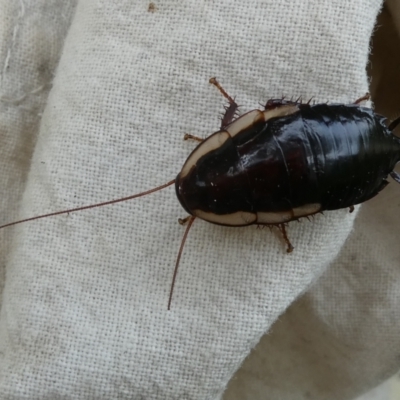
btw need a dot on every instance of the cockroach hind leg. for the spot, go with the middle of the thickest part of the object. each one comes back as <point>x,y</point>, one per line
<point>188,136</point>
<point>231,109</point>
<point>395,176</point>
<point>282,228</point>
<point>366,97</point>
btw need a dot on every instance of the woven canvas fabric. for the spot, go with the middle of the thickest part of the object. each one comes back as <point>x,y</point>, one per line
<point>85,295</point>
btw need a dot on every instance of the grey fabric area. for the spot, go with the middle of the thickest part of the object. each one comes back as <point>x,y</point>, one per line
<point>84,305</point>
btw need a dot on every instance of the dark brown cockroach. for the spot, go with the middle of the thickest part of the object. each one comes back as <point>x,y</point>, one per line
<point>276,165</point>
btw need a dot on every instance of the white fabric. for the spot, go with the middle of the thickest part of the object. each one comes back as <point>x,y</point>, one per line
<point>84,302</point>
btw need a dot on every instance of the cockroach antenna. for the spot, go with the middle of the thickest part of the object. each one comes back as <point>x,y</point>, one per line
<point>105,203</point>
<point>178,259</point>
<point>190,221</point>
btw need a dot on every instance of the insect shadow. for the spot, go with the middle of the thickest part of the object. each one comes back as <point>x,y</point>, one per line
<point>287,161</point>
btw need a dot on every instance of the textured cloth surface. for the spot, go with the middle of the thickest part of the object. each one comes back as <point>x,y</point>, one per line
<point>85,295</point>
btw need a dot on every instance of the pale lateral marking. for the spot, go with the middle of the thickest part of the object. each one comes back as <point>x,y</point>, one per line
<point>240,218</point>
<point>280,217</point>
<point>213,142</point>
<point>281,111</point>
<point>274,217</point>
<point>254,116</point>
<point>307,209</point>
<point>244,122</point>
<point>217,139</point>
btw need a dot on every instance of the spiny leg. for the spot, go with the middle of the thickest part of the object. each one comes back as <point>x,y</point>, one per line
<point>188,136</point>
<point>282,228</point>
<point>309,101</point>
<point>230,111</point>
<point>366,97</point>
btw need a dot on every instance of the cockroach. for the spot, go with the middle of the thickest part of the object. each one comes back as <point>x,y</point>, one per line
<point>284,162</point>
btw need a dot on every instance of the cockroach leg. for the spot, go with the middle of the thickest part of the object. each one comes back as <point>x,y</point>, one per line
<point>183,221</point>
<point>230,111</point>
<point>282,228</point>
<point>351,209</point>
<point>188,136</point>
<point>214,82</point>
<point>395,176</point>
<point>366,97</point>
<point>309,101</point>
<point>191,220</point>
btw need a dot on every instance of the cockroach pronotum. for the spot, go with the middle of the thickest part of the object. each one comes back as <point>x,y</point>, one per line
<point>276,165</point>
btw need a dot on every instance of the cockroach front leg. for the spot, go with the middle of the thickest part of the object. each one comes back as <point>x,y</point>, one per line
<point>230,110</point>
